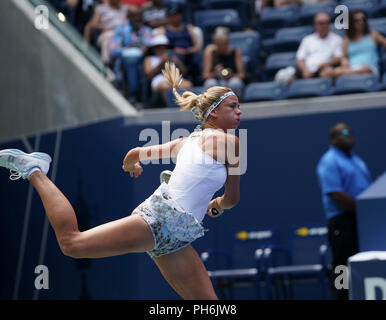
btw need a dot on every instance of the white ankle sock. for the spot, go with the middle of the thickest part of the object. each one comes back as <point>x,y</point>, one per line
<point>33,170</point>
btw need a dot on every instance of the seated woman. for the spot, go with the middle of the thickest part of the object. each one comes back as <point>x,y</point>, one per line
<point>222,64</point>
<point>159,53</point>
<point>360,47</point>
<point>107,16</point>
<point>183,37</point>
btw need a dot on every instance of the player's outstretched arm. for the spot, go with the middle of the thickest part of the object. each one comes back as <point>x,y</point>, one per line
<point>131,162</point>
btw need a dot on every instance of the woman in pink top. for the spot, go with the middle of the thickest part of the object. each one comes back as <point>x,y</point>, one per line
<point>106,18</point>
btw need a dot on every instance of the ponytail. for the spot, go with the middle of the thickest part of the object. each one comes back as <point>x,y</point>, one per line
<point>189,100</point>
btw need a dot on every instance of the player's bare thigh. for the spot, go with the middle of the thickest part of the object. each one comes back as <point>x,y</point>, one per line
<point>129,234</point>
<point>186,273</point>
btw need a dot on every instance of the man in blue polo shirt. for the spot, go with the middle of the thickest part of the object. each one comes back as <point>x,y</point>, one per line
<point>342,177</point>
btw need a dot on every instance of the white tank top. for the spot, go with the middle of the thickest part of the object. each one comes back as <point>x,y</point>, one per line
<point>196,177</point>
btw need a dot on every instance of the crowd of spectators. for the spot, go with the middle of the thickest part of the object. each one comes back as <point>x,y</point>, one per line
<point>262,4</point>
<point>135,38</point>
<point>327,55</point>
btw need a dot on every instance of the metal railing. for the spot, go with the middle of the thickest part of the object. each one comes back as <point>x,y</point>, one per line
<point>60,22</point>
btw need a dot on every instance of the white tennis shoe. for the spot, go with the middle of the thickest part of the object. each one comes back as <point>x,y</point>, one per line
<point>22,164</point>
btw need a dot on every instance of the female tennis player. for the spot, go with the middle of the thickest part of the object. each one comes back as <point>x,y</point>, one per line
<point>167,222</point>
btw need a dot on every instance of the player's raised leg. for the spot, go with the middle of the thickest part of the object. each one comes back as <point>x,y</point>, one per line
<point>129,234</point>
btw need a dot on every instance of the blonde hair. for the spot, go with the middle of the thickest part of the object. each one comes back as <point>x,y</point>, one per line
<point>189,100</point>
<point>221,33</point>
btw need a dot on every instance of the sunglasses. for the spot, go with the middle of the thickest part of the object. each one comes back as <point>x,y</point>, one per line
<point>360,19</point>
<point>323,22</point>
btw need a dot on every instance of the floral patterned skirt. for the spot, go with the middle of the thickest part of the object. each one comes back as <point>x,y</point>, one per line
<point>173,228</point>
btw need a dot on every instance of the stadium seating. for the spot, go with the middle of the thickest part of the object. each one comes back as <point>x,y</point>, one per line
<point>241,260</point>
<point>306,88</point>
<point>368,6</point>
<point>277,61</point>
<point>242,7</point>
<point>208,20</point>
<point>306,257</point>
<point>279,33</point>
<point>308,11</point>
<point>340,32</point>
<point>381,10</point>
<point>382,60</point>
<point>378,24</point>
<point>248,42</point>
<point>263,91</point>
<point>383,84</point>
<point>357,84</point>
<point>286,39</point>
<point>169,2</point>
<point>272,19</point>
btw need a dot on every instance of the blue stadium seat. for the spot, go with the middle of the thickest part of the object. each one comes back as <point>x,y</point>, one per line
<point>378,24</point>
<point>242,6</point>
<point>368,6</point>
<point>224,17</point>
<point>382,56</point>
<point>308,11</point>
<point>263,91</point>
<point>286,39</point>
<point>169,2</point>
<point>248,42</point>
<point>240,260</point>
<point>272,19</point>
<point>170,99</point>
<point>383,84</point>
<point>340,32</point>
<point>305,257</point>
<point>381,10</point>
<point>208,20</point>
<point>306,88</point>
<point>277,61</point>
<point>361,83</point>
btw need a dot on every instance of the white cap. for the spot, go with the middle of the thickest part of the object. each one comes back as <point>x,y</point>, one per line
<point>159,40</point>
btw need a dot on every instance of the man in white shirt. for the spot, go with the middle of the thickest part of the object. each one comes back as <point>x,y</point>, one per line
<point>319,52</point>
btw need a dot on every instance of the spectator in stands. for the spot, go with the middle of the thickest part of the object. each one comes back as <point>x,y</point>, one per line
<point>319,53</point>
<point>222,64</point>
<point>128,46</point>
<point>182,37</point>
<point>360,47</point>
<point>342,176</point>
<point>79,12</point>
<point>154,15</point>
<point>260,5</point>
<point>160,52</point>
<point>137,3</point>
<point>313,1</point>
<point>280,3</point>
<point>105,19</point>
